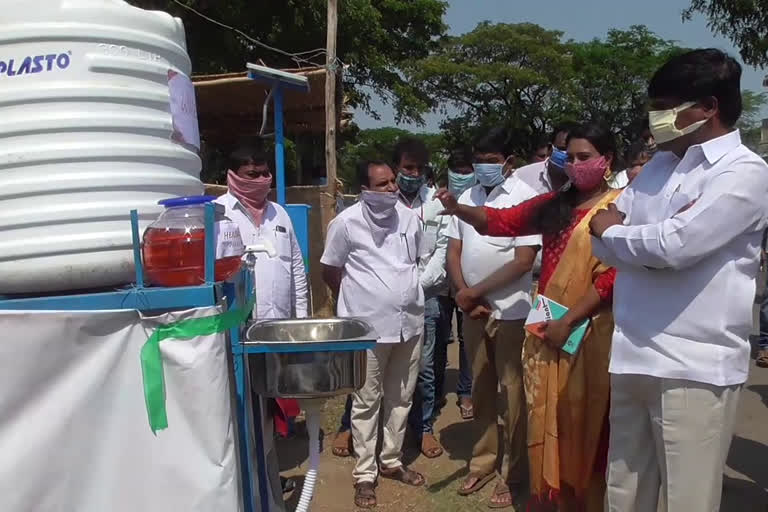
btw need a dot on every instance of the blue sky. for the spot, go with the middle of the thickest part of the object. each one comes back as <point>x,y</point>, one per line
<point>579,20</point>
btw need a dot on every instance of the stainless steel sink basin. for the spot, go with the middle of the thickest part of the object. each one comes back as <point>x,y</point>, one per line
<point>316,374</point>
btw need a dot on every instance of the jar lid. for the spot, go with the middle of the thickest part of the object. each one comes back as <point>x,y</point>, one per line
<point>186,201</point>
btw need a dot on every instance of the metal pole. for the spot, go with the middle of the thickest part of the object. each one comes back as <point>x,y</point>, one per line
<point>137,261</point>
<point>277,97</point>
<point>210,248</point>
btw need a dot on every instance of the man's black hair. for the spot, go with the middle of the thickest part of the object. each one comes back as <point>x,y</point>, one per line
<point>541,142</point>
<point>460,157</point>
<point>493,141</point>
<point>363,170</point>
<point>566,128</point>
<point>412,147</point>
<point>700,74</point>
<point>634,150</point>
<point>247,155</point>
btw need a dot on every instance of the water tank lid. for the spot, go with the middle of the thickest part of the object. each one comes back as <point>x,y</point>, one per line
<point>186,201</point>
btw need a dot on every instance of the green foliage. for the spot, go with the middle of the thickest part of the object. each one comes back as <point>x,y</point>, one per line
<point>610,78</point>
<point>497,74</point>
<point>750,124</point>
<point>744,22</point>
<point>375,38</point>
<point>215,162</point>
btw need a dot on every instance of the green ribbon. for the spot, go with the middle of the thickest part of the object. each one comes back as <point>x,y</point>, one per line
<point>152,360</point>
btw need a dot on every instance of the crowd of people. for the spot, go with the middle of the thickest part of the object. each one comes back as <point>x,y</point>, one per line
<point>658,256</point>
<point>645,409</point>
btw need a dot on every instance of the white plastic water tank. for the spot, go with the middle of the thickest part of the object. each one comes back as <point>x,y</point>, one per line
<point>97,117</point>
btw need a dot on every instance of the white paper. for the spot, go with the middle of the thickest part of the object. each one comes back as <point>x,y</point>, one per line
<point>183,109</point>
<point>74,435</point>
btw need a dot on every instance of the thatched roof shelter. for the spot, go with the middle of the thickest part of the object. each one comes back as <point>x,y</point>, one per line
<point>231,105</point>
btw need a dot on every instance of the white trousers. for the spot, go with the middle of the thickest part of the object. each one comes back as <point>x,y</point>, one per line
<point>388,392</point>
<point>669,444</point>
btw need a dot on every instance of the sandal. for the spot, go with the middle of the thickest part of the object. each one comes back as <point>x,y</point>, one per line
<point>430,446</point>
<point>480,482</point>
<point>501,497</point>
<point>762,358</point>
<point>365,495</point>
<point>466,409</point>
<point>404,475</point>
<point>342,444</point>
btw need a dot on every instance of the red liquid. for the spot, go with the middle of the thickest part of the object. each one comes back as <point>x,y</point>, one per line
<point>176,258</point>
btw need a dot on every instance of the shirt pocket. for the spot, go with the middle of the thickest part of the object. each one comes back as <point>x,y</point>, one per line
<point>680,201</point>
<point>429,237</point>
<point>283,246</point>
<point>409,248</point>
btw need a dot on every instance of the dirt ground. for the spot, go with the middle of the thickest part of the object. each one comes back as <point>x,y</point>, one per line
<point>745,486</point>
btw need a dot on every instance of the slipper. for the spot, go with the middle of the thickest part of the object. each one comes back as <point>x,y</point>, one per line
<point>482,480</point>
<point>342,444</point>
<point>467,411</point>
<point>430,446</point>
<point>501,489</point>
<point>404,475</point>
<point>365,491</point>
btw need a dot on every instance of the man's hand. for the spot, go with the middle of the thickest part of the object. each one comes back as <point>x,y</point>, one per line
<point>467,299</point>
<point>604,219</point>
<point>555,332</point>
<point>449,201</point>
<point>480,312</point>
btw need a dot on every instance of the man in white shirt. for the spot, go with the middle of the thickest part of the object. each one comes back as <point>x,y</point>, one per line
<point>687,256</point>
<point>411,158</point>
<point>493,279</point>
<point>280,282</point>
<point>371,262</point>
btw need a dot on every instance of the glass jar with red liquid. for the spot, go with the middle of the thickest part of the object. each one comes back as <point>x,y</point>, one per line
<point>174,245</point>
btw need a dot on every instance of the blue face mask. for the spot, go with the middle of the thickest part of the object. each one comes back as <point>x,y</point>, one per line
<point>558,158</point>
<point>409,185</point>
<point>458,183</point>
<point>489,175</point>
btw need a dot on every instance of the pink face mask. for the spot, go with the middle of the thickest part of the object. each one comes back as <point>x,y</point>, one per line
<point>587,175</point>
<point>251,192</point>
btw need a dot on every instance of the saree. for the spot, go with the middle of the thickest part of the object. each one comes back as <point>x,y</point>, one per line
<point>567,396</point>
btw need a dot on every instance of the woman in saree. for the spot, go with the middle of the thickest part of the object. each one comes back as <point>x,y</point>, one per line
<point>567,395</point>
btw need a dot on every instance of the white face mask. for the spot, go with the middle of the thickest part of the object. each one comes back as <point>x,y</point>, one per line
<point>662,123</point>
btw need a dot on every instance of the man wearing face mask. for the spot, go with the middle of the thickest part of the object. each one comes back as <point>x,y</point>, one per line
<point>492,277</point>
<point>548,175</point>
<point>461,177</point>
<point>411,158</point>
<point>371,263</point>
<point>281,282</point>
<point>685,237</point>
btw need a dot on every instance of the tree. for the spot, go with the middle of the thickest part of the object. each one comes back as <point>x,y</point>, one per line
<point>610,78</point>
<point>750,124</point>
<point>375,38</point>
<point>525,77</point>
<point>744,22</point>
<point>498,73</point>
